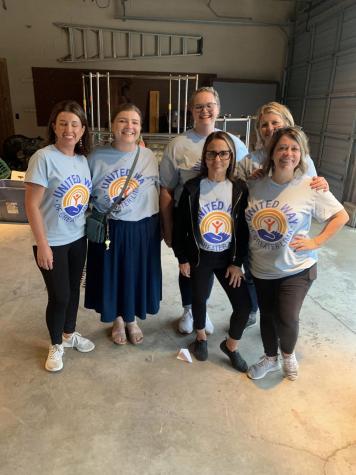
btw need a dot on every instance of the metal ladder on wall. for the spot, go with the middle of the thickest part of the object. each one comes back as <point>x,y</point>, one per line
<point>95,43</point>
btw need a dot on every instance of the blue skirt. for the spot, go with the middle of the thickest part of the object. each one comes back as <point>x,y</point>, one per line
<point>126,280</point>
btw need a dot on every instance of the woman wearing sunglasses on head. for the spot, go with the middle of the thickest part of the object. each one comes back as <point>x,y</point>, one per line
<point>210,237</point>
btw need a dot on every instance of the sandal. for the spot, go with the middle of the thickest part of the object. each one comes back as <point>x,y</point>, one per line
<point>134,332</point>
<point>118,333</point>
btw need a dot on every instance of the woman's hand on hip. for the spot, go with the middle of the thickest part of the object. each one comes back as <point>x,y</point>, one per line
<point>235,275</point>
<point>303,243</point>
<point>45,256</point>
<point>185,269</point>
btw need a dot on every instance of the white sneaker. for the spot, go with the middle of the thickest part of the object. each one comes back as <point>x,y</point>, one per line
<point>266,365</point>
<point>209,327</point>
<point>185,324</point>
<point>290,366</point>
<point>54,360</point>
<point>77,341</point>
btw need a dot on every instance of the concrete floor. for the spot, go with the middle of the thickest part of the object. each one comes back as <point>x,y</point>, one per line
<point>139,410</point>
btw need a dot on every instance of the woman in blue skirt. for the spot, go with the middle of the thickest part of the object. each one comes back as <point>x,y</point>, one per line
<point>124,281</point>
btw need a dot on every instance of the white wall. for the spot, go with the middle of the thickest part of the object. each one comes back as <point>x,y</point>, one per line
<point>28,38</point>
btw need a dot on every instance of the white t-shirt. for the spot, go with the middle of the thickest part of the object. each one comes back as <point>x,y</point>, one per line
<point>254,160</point>
<point>110,167</point>
<point>275,215</point>
<point>68,186</point>
<point>182,158</point>
<point>214,217</point>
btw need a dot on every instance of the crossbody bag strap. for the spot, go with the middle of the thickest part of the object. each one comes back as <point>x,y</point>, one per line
<point>120,198</point>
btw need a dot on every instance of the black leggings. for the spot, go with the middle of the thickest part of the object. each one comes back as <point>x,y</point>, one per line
<point>216,263</point>
<point>63,287</point>
<point>280,301</point>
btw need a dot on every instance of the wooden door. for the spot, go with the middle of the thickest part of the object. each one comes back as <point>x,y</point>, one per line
<point>6,119</point>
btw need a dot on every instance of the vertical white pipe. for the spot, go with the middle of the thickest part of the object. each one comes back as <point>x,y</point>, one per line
<point>109,99</point>
<point>186,102</point>
<point>91,101</point>
<point>170,106</point>
<point>178,106</point>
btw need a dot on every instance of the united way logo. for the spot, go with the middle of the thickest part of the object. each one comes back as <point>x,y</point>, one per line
<point>117,185</point>
<point>215,227</point>
<point>75,200</point>
<point>270,224</point>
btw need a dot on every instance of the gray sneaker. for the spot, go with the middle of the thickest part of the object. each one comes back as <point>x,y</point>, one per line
<point>267,364</point>
<point>252,319</point>
<point>290,366</point>
<point>78,342</point>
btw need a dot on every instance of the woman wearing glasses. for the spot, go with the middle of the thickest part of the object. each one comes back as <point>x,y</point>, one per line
<point>211,238</point>
<point>181,162</point>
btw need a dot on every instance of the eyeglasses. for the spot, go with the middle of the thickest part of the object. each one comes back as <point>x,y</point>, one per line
<point>223,154</point>
<point>208,106</point>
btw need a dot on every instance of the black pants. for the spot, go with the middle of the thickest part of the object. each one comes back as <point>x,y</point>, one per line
<point>63,287</point>
<point>216,263</point>
<point>280,301</point>
<point>185,287</point>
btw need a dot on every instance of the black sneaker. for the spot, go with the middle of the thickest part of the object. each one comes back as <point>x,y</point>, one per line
<point>236,359</point>
<point>201,350</point>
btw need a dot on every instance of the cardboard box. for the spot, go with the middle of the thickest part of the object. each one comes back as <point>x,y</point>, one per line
<point>12,201</point>
<point>16,175</point>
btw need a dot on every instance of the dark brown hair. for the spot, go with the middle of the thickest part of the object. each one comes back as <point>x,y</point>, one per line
<point>83,146</point>
<point>294,133</point>
<point>219,135</point>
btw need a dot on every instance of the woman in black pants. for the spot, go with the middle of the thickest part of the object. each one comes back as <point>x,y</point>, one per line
<point>58,187</point>
<point>211,237</point>
<point>283,258</point>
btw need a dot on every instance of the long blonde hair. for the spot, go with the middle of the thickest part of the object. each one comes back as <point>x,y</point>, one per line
<point>272,108</point>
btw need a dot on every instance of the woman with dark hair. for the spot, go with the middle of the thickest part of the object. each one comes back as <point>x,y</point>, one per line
<point>124,282</point>
<point>181,162</point>
<point>283,258</point>
<point>58,187</point>
<point>211,237</point>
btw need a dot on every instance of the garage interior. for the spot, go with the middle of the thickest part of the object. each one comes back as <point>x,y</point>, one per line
<point>140,410</point>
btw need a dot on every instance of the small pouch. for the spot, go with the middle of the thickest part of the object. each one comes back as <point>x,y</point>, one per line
<point>96,226</point>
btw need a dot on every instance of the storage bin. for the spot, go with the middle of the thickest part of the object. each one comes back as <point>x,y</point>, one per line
<point>12,201</point>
